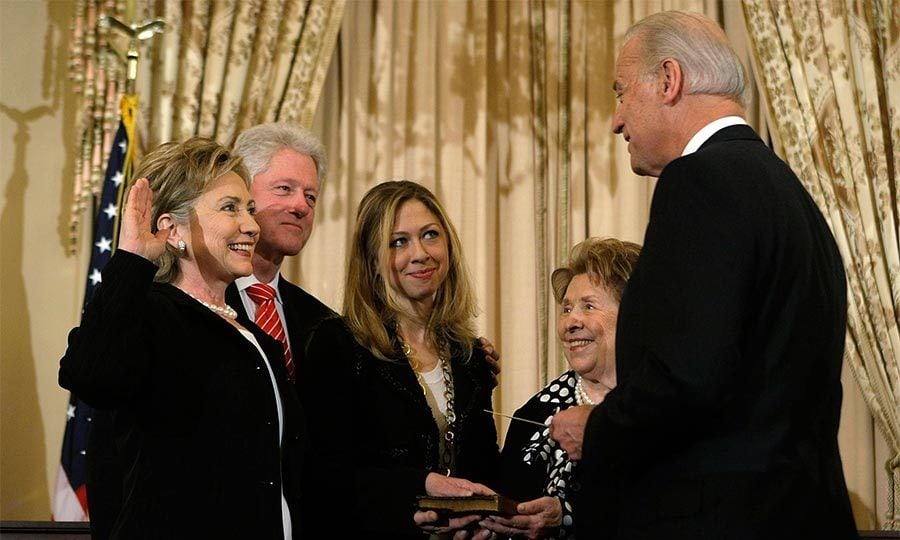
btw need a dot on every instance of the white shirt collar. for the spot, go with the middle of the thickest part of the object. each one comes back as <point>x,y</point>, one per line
<point>709,130</point>
<point>243,282</point>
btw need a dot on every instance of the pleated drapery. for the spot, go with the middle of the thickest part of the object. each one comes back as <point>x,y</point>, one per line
<point>831,75</point>
<point>219,67</point>
<point>504,110</point>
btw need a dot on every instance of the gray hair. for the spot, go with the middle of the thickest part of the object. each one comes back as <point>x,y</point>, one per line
<point>258,144</point>
<point>699,45</point>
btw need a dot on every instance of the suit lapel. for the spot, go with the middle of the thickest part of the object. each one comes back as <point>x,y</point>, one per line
<point>233,299</point>
<point>290,305</point>
<point>466,384</point>
<point>400,376</point>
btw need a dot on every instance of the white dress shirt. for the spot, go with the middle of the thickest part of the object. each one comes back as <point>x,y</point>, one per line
<point>708,131</point>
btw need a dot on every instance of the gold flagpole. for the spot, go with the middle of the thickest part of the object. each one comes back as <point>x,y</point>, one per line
<point>128,104</point>
<point>136,32</point>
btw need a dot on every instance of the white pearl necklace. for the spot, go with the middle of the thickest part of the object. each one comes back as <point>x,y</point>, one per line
<point>581,396</point>
<point>226,311</point>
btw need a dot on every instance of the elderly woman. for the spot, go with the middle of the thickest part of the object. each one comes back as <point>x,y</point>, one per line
<point>395,389</point>
<point>204,421</point>
<point>535,469</point>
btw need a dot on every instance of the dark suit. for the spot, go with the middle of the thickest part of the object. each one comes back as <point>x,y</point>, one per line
<point>302,310</point>
<point>194,414</point>
<point>729,351</point>
<point>374,439</point>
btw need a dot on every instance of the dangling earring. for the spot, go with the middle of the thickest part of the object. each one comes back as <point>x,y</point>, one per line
<point>182,247</point>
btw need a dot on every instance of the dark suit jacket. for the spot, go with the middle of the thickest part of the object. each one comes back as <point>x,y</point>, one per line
<point>729,351</point>
<point>374,439</point>
<point>193,411</point>
<point>302,310</point>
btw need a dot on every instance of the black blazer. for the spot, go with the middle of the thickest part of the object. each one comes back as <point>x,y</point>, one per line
<point>194,413</point>
<point>729,348</point>
<point>302,310</point>
<point>373,437</point>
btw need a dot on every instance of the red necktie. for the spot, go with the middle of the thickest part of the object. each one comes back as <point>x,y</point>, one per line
<point>267,318</point>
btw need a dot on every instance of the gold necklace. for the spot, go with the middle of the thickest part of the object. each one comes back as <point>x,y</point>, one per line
<point>413,363</point>
<point>449,394</point>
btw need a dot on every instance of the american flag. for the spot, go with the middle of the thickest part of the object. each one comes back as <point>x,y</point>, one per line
<point>70,497</point>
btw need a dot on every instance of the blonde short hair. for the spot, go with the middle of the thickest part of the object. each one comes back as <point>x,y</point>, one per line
<point>608,262</point>
<point>178,175</point>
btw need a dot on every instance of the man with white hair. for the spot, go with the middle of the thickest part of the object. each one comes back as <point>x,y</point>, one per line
<point>731,329</point>
<point>287,166</point>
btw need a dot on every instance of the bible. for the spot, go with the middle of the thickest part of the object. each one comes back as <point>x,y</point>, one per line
<point>476,504</point>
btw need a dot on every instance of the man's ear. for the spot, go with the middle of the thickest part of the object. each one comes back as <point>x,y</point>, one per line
<point>672,81</point>
<point>167,222</point>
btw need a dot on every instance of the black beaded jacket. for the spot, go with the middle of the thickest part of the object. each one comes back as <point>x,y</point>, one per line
<point>373,438</point>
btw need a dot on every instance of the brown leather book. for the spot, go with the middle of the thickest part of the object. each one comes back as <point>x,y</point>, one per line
<point>476,504</point>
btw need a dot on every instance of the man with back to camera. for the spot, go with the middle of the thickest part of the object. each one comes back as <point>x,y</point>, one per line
<point>731,330</point>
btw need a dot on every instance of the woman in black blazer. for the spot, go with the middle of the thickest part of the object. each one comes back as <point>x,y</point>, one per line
<point>397,387</point>
<point>207,431</point>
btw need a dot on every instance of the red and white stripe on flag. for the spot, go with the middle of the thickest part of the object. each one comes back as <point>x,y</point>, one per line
<point>68,505</point>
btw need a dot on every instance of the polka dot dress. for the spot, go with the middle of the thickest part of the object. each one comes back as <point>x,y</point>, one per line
<point>545,453</point>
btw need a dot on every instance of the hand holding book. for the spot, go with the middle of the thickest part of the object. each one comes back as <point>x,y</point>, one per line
<point>535,519</point>
<point>437,485</point>
<point>473,504</point>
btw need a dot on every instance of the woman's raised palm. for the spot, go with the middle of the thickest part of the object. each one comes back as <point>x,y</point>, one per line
<point>135,235</point>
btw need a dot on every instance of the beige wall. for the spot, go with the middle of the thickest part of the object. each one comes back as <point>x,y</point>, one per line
<point>39,285</point>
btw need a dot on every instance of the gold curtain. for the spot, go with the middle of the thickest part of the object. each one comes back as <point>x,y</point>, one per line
<point>504,110</point>
<point>831,75</point>
<point>219,67</point>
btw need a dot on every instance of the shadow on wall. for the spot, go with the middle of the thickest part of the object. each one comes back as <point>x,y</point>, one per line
<point>24,483</point>
<point>864,516</point>
<point>24,492</point>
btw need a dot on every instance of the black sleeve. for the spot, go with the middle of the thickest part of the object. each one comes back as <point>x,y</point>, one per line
<point>520,480</point>
<point>107,359</point>
<point>478,455</point>
<point>378,498</point>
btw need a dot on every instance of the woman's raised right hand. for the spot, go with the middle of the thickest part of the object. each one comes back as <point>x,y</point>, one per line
<point>135,236</point>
